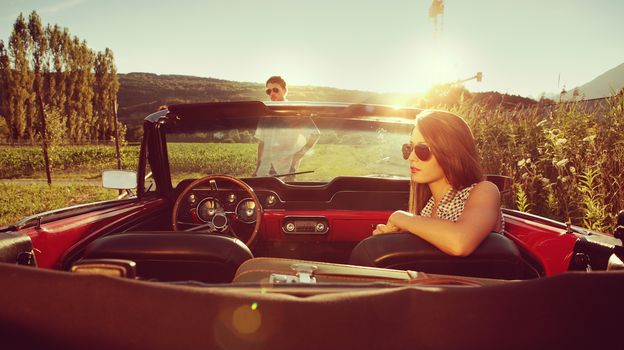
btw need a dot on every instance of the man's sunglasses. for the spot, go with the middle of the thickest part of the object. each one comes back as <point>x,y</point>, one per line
<point>275,90</point>
<point>422,151</point>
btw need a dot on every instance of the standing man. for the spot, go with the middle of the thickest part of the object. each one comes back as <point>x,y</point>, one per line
<point>283,142</point>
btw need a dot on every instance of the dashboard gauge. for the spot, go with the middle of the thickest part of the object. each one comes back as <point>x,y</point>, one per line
<point>246,211</point>
<point>208,208</point>
<point>192,199</point>
<point>231,198</point>
<point>271,200</point>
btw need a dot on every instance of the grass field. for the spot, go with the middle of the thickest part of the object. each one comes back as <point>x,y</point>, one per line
<point>77,170</point>
<point>20,200</point>
<point>190,160</point>
<point>68,162</point>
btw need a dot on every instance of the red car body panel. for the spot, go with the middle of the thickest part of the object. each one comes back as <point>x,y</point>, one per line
<point>54,239</point>
<point>550,246</point>
<point>344,225</point>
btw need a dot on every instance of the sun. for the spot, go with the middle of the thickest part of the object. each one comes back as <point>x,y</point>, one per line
<point>445,62</point>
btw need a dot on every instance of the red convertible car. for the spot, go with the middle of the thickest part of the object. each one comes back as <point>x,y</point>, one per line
<point>248,226</point>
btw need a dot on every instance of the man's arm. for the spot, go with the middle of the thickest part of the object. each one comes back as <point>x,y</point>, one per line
<point>312,139</point>
<point>260,155</point>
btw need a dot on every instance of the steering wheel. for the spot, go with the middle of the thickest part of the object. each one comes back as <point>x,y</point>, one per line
<point>222,216</point>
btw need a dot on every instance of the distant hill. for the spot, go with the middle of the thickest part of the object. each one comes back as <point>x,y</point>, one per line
<point>142,93</point>
<point>605,84</point>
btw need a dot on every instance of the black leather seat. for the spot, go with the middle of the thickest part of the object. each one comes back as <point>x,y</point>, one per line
<point>496,257</point>
<point>16,248</point>
<point>174,256</point>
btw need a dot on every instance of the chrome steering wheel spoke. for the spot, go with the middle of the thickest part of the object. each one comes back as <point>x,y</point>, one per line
<point>219,220</point>
<point>209,225</point>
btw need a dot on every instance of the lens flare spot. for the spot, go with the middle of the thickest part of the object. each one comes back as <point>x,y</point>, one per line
<point>254,306</point>
<point>245,320</point>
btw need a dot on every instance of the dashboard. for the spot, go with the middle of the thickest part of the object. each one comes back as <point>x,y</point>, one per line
<point>311,221</point>
<point>304,220</point>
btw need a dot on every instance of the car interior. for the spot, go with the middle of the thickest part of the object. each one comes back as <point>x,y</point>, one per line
<point>204,229</point>
<point>332,225</point>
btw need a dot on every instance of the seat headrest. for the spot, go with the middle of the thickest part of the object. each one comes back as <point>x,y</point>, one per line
<point>176,253</point>
<point>496,257</point>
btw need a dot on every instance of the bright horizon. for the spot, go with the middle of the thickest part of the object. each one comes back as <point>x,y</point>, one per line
<point>524,48</point>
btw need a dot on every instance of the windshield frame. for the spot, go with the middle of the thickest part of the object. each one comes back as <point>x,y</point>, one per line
<point>248,113</point>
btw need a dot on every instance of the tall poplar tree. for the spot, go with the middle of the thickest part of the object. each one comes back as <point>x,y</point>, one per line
<point>21,88</point>
<point>54,84</point>
<point>40,47</point>
<point>71,83</point>
<point>105,88</point>
<point>100,98</point>
<point>86,93</point>
<point>58,41</point>
<point>5,83</point>
<point>113,87</point>
<point>80,91</point>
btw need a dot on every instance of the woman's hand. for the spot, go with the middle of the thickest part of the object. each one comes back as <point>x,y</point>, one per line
<point>390,226</point>
<point>385,228</point>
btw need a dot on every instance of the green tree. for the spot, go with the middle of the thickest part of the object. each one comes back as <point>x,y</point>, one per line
<point>82,96</point>
<point>105,90</point>
<point>40,47</point>
<point>5,83</point>
<point>58,49</point>
<point>49,70</point>
<point>20,93</point>
<point>72,103</point>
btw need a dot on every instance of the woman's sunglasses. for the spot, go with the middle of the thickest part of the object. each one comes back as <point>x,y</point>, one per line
<point>422,151</point>
<point>275,90</point>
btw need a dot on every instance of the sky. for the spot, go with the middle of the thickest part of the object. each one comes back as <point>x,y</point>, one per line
<point>522,47</point>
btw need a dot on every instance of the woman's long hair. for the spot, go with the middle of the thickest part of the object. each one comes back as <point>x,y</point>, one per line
<point>453,145</point>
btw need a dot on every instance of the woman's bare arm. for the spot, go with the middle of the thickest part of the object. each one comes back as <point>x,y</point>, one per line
<point>479,217</point>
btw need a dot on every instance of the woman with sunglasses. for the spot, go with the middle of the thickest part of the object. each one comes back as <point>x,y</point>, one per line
<point>451,206</point>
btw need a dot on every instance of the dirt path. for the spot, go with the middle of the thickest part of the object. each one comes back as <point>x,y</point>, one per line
<point>97,182</point>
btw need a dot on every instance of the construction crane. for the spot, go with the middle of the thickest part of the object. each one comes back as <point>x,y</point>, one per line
<point>478,77</point>
<point>436,13</point>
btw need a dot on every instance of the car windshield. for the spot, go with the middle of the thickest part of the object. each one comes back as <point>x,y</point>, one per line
<point>302,148</point>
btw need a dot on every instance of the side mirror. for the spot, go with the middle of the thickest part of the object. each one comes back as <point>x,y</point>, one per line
<point>119,179</point>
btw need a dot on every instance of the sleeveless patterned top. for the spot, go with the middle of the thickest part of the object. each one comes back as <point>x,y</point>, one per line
<point>452,205</point>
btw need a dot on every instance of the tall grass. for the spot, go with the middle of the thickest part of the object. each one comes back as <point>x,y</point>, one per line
<point>566,160</point>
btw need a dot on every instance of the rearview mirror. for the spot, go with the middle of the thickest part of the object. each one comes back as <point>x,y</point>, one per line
<point>119,179</point>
